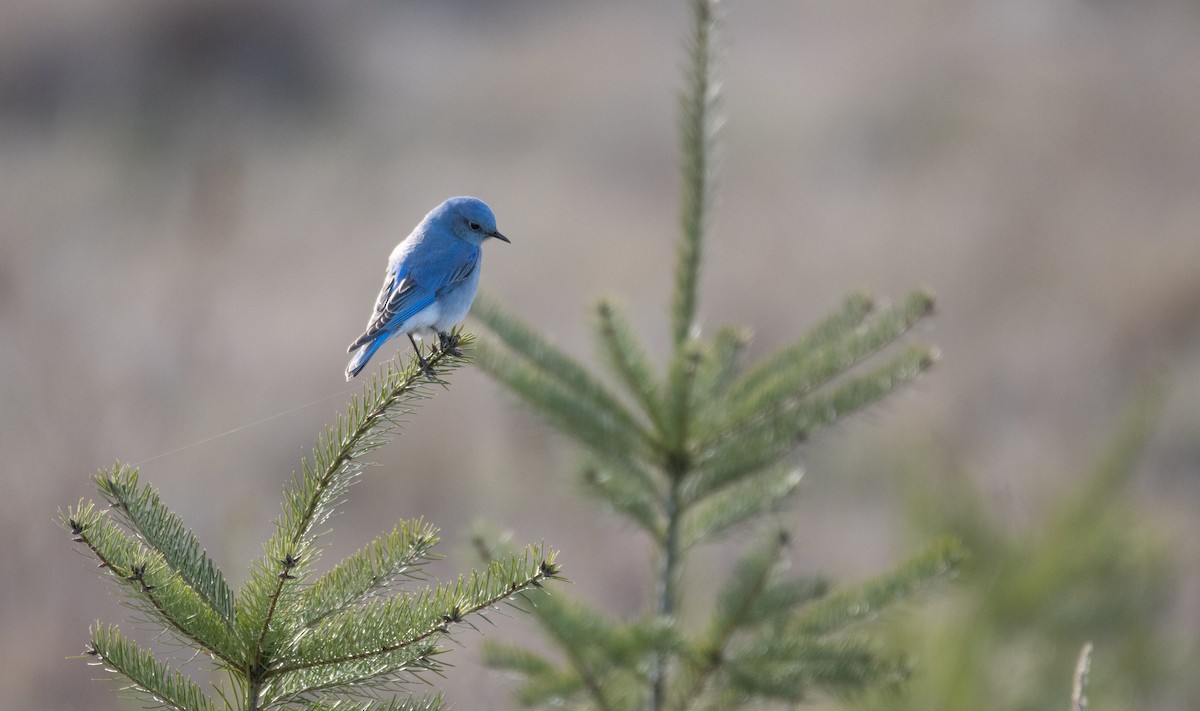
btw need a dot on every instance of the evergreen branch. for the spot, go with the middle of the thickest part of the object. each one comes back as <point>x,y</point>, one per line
<point>763,441</point>
<point>628,360</point>
<point>737,603</point>
<point>679,415</point>
<point>844,608</point>
<point>627,493</point>
<point>418,703</point>
<point>698,127</point>
<point>552,689</point>
<point>381,627</point>
<point>759,492</point>
<point>589,677</point>
<point>378,674</point>
<point>150,585</point>
<point>857,393</point>
<point>514,658</point>
<point>144,514</point>
<point>262,653</point>
<point>734,610</point>
<point>719,364</point>
<point>544,684</point>
<point>610,437</point>
<point>827,334</point>
<point>284,642</point>
<point>372,569</point>
<point>604,660</point>
<point>369,426</point>
<point>787,667</point>
<point>552,362</point>
<point>162,685</point>
<point>590,645</point>
<point>667,584</point>
<point>797,370</point>
<point>376,644</point>
<point>319,488</point>
<point>781,598</point>
<point>636,480</point>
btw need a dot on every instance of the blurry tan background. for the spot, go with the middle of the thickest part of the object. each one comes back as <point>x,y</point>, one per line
<point>197,200</point>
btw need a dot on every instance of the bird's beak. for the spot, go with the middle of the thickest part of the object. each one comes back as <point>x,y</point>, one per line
<point>499,236</point>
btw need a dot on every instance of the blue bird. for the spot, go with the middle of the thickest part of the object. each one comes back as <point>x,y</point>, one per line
<point>431,280</point>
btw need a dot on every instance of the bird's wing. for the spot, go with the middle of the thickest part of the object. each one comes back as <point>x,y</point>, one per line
<point>460,274</point>
<point>406,292</point>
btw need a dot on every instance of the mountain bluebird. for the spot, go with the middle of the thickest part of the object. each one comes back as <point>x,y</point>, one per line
<point>431,279</point>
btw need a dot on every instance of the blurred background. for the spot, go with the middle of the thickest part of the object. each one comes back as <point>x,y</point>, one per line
<point>197,200</point>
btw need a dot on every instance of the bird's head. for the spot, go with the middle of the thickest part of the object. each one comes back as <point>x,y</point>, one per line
<point>470,219</point>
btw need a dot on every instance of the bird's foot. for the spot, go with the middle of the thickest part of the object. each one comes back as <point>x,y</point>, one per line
<point>449,343</point>
<point>423,364</point>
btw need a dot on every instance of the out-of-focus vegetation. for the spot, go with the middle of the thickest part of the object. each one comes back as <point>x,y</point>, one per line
<point>1094,567</point>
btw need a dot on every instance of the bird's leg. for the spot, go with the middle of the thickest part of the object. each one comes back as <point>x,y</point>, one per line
<point>449,343</point>
<point>420,358</point>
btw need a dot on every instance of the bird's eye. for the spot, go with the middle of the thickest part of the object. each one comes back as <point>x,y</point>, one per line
<point>474,225</point>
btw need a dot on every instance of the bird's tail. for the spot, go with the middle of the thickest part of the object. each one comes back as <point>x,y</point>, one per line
<point>361,356</point>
